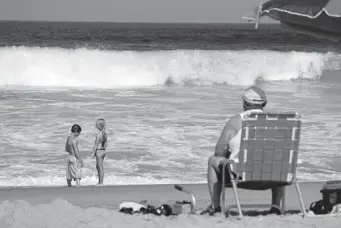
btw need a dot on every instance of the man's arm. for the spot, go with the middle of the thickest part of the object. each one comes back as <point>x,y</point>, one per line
<point>230,130</point>
<point>222,146</point>
<point>75,149</point>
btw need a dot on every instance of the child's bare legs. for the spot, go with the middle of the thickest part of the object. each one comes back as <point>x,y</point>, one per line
<point>78,182</point>
<point>99,167</point>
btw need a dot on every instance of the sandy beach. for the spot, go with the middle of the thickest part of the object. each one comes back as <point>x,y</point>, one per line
<point>91,206</point>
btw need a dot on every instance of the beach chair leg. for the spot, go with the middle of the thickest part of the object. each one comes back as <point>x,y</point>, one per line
<point>223,191</point>
<point>283,201</point>
<point>301,199</point>
<point>234,185</point>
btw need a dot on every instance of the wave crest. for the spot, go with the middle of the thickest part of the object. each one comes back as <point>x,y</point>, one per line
<point>34,66</point>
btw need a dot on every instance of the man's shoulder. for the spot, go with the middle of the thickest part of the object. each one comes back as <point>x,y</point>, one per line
<point>232,126</point>
<point>235,121</point>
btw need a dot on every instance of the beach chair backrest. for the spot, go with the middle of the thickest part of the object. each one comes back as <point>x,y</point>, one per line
<point>269,146</point>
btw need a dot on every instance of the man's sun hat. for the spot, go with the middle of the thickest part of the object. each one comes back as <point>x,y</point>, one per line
<point>254,96</point>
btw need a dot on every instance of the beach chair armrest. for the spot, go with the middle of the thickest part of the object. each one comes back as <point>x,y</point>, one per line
<point>227,161</point>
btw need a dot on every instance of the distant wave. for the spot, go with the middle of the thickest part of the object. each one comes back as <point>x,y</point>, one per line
<point>33,66</point>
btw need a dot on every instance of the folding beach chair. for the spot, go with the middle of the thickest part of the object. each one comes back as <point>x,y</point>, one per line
<point>268,154</point>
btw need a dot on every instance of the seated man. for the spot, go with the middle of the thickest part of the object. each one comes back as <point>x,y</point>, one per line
<point>254,99</point>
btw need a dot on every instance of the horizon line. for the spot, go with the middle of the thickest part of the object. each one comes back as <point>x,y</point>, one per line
<point>131,22</point>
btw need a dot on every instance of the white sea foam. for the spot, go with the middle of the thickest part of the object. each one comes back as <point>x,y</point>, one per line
<point>57,67</point>
<point>88,180</point>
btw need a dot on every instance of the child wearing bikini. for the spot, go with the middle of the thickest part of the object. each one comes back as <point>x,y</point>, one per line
<point>99,148</point>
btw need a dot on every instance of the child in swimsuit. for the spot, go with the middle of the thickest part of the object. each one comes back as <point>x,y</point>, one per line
<point>74,162</point>
<point>99,148</point>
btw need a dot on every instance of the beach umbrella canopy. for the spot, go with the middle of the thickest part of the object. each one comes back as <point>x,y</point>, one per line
<point>321,18</point>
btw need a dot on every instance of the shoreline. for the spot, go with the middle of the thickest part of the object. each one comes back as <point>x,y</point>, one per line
<point>127,185</point>
<point>91,195</point>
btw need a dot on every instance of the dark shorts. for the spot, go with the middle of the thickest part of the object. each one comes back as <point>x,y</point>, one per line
<point>227,175</point>
<point>252,185</point>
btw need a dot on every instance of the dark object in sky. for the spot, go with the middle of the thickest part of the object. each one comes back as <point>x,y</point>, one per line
<point>320,18</point>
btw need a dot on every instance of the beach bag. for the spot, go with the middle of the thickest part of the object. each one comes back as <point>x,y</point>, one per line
<point>319,208</point>
<point>331,187</point>
<point>324,206</point>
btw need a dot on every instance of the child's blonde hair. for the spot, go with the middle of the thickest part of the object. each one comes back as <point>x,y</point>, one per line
<point>100,124</point>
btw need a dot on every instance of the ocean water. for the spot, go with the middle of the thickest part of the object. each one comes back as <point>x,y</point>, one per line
<point>165,91</point>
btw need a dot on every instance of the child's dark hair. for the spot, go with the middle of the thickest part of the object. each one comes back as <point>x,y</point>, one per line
<point>76,128</point>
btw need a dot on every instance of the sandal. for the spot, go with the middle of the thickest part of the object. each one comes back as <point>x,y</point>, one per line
<point>275,210</point>
<point>211,211</point>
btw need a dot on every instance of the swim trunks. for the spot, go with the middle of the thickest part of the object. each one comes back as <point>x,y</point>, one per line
<point>73,168</point>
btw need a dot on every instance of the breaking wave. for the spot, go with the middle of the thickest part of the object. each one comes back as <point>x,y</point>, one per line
<point>57,67</point>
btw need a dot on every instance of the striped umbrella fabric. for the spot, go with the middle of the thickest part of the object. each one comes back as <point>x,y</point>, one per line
<point>321,18</point>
